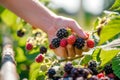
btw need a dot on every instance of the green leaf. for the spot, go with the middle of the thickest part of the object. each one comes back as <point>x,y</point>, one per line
<point>20,57</point>
<point>86,59</point>
<point>110,30</point>
<point>8,17</point>
<point>116,65</point>
<point>107,55</point>
<point>95,54</point>
<point>116,5</point>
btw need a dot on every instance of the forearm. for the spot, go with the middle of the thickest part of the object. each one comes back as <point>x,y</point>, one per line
<point>31,11</point>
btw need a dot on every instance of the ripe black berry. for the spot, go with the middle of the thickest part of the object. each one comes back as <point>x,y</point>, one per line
<point>51,72</point>
<point>92,63</point>
<point>108,69</point>
<point>43,49</point>
<point>93,78</point>
<point>94,70</point>
<point>68,67</point>
<point>20,33</point>
<point>74,72</point>
<point>56,42</point>
<point>79,43</point>
<point>61,33</point>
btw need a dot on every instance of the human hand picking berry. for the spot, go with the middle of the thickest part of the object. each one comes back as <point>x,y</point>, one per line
<point>68,44</point>
<point>39,16</point>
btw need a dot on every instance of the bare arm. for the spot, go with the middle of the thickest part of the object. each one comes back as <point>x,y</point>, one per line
<point>31,11</point>
<point>39,16</point>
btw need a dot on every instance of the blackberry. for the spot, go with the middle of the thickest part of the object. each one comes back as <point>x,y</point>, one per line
<point>20,33</point>
<point>93,78</point>
<point>108,69</point>
<point>79,43</point>
<point>92,63</point>
<point>43,49</point>
<point>74,72</point>
<point>68,67</point>
<point>56,42</point>
<point>94,70</point>
<point>86,72</point>
<point>51,72</point>
<point>62,33</point>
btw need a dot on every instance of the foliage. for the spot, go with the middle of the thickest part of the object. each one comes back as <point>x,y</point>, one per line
<point>110,30</point>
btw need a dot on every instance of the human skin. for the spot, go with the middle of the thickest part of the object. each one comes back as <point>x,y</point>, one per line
<point>33,12</point>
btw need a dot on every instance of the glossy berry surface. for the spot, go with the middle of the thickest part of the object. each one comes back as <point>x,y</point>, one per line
<point>62,33</point>
<point>79,43</point>
<point>56,42</point>
<point>71,39</point>
<point>51,46</point>
<point>39,58</point>
<point>92,64</point>
<point>43,49</point>
<point>108,69</point>
<point>63,42</point>
<point>29,46</point>
<point>90,43</point>
<point>51,71</point>
<point>68,67</point>
<point>20,33</point>
<point>100,75</point>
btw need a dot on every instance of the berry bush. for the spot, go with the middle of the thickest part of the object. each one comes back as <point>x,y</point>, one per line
<point>96,58</point>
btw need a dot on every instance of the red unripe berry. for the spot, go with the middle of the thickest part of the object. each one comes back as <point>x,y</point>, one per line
<point>90,43</point>
<point>29,46</point>
<point>71,39</point>
<point>51,46</point>
<point>63,42</point>
<point>100,75</point>
<point>39,58</point>
<point>111,75</point>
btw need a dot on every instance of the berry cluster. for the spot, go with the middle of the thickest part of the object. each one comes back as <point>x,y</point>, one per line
<point>64,38</point>
<point>89,72</point>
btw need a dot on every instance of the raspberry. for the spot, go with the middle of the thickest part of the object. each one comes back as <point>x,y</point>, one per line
<point>71,39</point>
<point>43,49</point>
<point>79,43</point>
<point>62,33</point>
<point>29,46</point>
<point>90,43</point>
<point>55,42</point>
<point>68,67</point>
<point>51,46</point>
<point>111,75</point>
<point>39,58</point>
<point>21,32</point>
<point>92,64</point>
<point>63,43</point>
<point>108,69</point>
<point>100,75</point>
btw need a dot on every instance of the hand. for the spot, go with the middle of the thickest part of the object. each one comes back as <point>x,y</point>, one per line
<point>62,22</point>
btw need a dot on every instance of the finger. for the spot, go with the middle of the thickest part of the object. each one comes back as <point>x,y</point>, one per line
<point>76,28</point>
<point>78,51</point>
<point>61,52</point>
<point>70,50</point>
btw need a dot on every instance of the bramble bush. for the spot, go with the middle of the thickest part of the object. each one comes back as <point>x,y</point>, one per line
<point>35,66</point>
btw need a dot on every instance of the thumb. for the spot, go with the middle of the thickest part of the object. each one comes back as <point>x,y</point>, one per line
<point>77,29</point>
